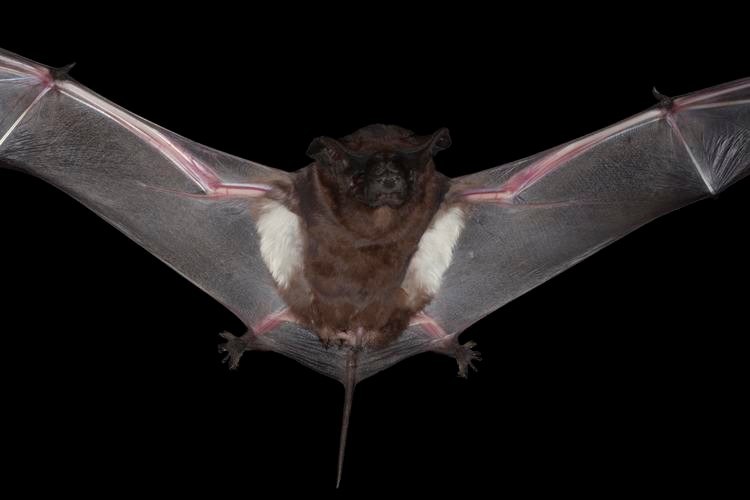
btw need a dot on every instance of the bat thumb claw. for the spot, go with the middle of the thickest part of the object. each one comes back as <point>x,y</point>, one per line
<point>664,101</point>
<point>62,73</point>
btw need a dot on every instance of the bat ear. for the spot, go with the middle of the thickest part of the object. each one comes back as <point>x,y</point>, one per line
<point>439,141</point>
<point>327,151</point>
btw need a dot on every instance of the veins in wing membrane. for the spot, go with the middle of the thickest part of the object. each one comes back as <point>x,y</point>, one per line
<point>204,176</point>
<point>209,182</point>
<point>508,192</point>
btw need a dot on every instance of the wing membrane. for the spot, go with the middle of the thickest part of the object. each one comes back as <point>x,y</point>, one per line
<point>532,219</point>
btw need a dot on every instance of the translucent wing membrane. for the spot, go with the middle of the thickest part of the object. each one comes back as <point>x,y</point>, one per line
<point>156,187</point>
<point>537,217</point>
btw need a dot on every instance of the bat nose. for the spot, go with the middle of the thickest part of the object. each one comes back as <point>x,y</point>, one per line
<point>388,178</point>
<point>390,183</point>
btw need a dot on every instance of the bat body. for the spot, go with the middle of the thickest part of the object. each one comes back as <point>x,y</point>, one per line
<point>359,214</point>
<point>351,282</point>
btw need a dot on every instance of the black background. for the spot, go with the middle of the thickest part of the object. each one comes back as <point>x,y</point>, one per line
<point>621,374</point>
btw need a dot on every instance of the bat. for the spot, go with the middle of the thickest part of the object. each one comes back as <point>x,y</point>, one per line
<point>554,207</point>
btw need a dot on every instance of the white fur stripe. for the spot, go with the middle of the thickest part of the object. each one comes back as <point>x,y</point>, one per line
<point>280,242</point>
<point>435,252</point>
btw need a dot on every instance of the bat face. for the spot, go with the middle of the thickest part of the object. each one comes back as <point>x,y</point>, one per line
<point>377,166</point>
<point>385,178</point>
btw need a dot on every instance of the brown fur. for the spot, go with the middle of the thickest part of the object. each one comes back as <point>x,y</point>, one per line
<point>356,256</point>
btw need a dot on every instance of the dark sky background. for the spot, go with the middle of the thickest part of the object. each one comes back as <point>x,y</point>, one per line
<point>620,373</point>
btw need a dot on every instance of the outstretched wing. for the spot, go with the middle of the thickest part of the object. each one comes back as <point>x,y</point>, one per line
<point>193,207</point>
<point>187,204</point>
<point>529,220</point>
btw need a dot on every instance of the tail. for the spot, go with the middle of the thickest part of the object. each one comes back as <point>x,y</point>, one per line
<point>350,382</point>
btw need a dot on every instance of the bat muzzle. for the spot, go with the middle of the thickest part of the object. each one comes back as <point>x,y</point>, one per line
<point>386,185</point>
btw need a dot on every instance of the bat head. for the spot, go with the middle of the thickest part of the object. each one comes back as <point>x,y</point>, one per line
<point>379,165</point>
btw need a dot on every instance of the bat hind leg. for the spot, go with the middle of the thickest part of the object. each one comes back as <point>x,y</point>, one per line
<point>235,347</point>
<point>464,354</point>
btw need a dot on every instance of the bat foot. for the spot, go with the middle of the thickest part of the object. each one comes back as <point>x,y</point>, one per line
<point>235,347</point>
<point>466,356</point>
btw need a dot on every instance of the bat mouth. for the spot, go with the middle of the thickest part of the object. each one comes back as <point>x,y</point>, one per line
<point>394,200</point>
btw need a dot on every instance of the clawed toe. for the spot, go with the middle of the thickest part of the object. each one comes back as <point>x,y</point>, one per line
<point>235,347</point>
<point>466,356</point>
